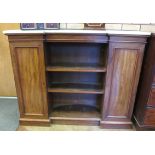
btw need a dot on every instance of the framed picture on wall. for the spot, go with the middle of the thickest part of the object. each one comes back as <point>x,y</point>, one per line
<point>51,26</point>
<point>39,26</point>
<point>94,26</point>
<point>28,26</point>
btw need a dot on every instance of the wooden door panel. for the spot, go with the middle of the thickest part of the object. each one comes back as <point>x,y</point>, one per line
<point>124,65</point>
<point>28,68</point>
<point>29,71</point>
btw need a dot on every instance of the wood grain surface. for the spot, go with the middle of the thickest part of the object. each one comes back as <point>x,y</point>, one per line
<point>124,64</point>
<point>29,71</point>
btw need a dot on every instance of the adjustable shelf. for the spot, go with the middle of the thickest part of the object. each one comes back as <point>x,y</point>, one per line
<point>75,69</point>
<point>75,88</point>
<point>82,91</point>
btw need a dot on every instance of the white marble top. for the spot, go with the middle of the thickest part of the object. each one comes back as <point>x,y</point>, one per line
<point>19,32</point>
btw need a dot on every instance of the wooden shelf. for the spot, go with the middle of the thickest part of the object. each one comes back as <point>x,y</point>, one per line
<point>75,114</point>
<point>75,69</point>
<point>82,88</point>
<point>75,117</point>
<point>75,90</point>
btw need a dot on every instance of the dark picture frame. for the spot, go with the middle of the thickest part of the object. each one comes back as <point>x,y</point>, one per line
<point>39,26</point>
<point>94,26</point>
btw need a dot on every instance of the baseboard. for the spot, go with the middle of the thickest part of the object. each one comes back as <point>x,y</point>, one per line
<point>8,97</point>
<point>116,125</point>
<point>34,122</point>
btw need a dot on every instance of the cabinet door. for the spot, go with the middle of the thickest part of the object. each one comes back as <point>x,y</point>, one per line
<point>121,82</point>
<point>29,71</point>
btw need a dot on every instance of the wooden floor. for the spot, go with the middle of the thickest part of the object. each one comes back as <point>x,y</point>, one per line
<point>67,128</point>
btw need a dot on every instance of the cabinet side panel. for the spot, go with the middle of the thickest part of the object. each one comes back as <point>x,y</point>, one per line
<point>28,68</point>
<point>124,64</point>
<point>124,67</point>
<point>29,72</point>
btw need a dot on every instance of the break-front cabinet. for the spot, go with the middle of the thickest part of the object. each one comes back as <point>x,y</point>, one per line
<point>76,77</point>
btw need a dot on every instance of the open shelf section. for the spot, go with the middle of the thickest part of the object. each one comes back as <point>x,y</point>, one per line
<point>75,88</point>
<point>75,79</point>
<point>75,102</point>
<point>75,69</point>
<point>76,55</point>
